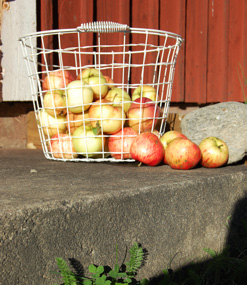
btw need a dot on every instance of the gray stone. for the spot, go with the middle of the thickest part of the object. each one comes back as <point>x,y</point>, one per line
<point>227,121</point>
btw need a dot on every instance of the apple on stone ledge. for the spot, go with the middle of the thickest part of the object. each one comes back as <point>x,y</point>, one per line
<point>214,151</point>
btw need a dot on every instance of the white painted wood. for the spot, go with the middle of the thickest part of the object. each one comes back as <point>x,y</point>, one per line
<point>18,21</point>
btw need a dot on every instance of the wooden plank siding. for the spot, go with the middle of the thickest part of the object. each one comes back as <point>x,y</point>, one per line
<point>217,51</point>
<point>175,10</point>
<point>215,33</point>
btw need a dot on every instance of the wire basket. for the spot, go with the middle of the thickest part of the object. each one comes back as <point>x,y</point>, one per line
<point>96,87</point>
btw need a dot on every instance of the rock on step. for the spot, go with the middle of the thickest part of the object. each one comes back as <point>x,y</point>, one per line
<point>227,121</point>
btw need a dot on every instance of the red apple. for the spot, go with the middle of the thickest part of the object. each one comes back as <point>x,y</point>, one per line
<point>57,79</point>
<point>61,146</point>
<point>143,115</point>
<point>120,142</point>
<point>214,151</point>
<point>147,148</point>
<point>168,137</point>
<point>182,153</point>
<point>109,81</point>
<point>108,116</point>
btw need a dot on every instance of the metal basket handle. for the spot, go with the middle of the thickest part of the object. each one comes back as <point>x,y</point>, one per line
<point>103,27</point>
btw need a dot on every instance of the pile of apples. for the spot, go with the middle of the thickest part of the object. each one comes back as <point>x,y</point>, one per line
<point>176,150</point>
<point>90,116</point>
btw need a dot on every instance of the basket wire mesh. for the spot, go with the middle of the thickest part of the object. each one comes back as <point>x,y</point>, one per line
<point>90,101</point>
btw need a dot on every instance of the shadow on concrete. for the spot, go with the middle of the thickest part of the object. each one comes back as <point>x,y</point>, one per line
<point>223,268</point>
<point>228,267</point>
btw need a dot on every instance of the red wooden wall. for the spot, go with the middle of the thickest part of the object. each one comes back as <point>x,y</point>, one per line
<point>215,33</point>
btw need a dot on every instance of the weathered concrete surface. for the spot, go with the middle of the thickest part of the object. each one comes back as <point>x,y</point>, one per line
<point>54,209</point>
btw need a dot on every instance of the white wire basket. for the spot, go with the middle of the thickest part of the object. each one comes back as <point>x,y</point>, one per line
<point>98,87</point>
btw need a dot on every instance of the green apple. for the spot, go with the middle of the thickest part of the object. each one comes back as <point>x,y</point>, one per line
<point>119,97</point>
<point>99,86</point>
<point>87,142</point>
<point>89,72</point>
<point>96,80</point>
<point>145,91</point>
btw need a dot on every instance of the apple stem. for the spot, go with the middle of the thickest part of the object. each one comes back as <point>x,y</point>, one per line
<point>139,164</point>
<point>114,97</point>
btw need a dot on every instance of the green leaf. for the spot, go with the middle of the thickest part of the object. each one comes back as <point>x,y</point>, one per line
<point>122,274</point>
<point>113,274</point>
<point>101,280</point>
<point>144,281</point>
<point>96,130</point>
<point>211,252</point>
<point>87,282</point>
<point>116,268</point>
<point>136,259</point>
<point>128,280</point>
<point>100,269</point>
<point>92,268</point>
<point>68,276</point>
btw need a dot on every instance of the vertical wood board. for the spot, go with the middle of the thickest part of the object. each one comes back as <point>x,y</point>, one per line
<point>145,14</point>
<point>16,85</point>
<point>118,12</point>
<point>237,49</point>
<point>172,19</point>
<point>218,29</point>
<point>196,51</point>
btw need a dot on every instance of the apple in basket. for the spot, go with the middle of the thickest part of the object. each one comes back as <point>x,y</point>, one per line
<point>88,141</point>
<point>120,142</point>
<point>145,91</point>
<point>95,79</point>
<point>168,137</point>
<point>79,96</point>
<point>55,103</point>
<point>143,115</point>
<point>61,146</point>
<point>109,81</point>
<point>182,153</point>
<point>147,148</point>
<point>74,121</point>
<point>119,97</point>
<point>214,151</point>
<point>107,115</point>
<point>57,79</point>
<point>51,125</point>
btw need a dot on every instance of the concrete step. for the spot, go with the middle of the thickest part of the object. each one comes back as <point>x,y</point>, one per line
<point>52,209</point>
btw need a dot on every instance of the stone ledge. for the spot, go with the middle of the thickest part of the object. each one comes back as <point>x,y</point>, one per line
<point>82,210</point>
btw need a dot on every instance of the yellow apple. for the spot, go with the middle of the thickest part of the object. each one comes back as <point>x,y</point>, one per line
<point>80,96</point>
<point>55,103</point>
<point>51,125</point>
<point>119,95</point>
<point>145,91</point>
<point>109,117</point>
